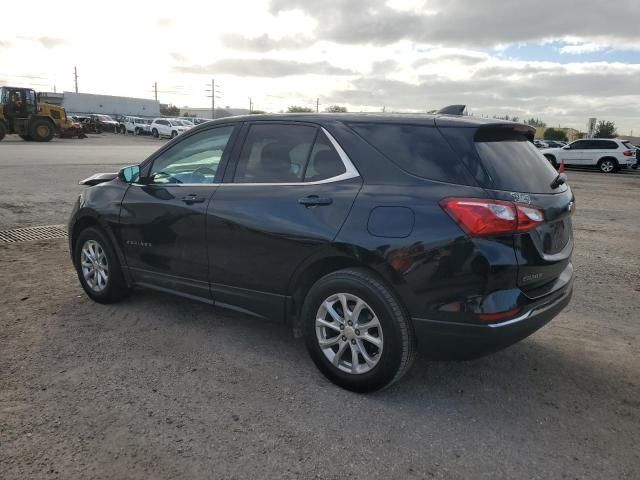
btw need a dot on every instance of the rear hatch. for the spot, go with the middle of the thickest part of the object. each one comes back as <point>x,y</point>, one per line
<point>510,168</point>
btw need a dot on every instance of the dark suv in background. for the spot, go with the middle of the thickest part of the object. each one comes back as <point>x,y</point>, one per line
<point>371,235</point>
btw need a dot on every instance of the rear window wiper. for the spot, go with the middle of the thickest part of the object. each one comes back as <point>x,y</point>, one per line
<point>561,179</point>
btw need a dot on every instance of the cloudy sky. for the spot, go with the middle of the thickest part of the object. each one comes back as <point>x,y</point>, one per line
<point>562,61</point>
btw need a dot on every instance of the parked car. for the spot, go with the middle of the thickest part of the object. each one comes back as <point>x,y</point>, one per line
<point>372,236</point>
<point>186,123</point>
<point>105,122</point>
<point>71,127</point>
<point>166,127</point>
<point>196,120</point>
<point>135,126</point>
<point>554,144</point>
<point>88,123</point>
<point>540,144</point>
<point>609,155</point>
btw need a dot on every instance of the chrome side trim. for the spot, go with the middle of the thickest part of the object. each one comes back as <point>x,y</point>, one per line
<point>351,172</point>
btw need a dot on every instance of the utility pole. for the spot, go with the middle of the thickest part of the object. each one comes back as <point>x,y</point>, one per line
<point>250,105</point>
<point>213,98</point>
<point>75,77</point>
<point>317,105</point>
<point>155,90</point>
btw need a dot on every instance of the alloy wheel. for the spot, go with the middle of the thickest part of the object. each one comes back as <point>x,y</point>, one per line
<point>94,264</point>
<point>349,333</point>
<point>607,166</point>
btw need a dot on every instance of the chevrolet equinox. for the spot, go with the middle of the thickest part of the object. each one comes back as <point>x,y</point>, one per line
<point>372,236</point>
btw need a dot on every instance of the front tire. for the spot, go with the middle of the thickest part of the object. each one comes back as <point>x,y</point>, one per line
<point>154,133</point>
<point>356,331</point>
<point>41,131</point>
<point>98,268</point>
<point>174,134</point>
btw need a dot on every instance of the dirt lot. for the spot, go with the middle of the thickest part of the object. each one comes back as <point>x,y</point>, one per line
<point>159,387</point>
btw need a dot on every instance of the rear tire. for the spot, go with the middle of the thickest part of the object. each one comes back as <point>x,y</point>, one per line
<point>382,348</point>
<point>41,130</point>
<point>608,165</point>
<point>98,268</point>
<point>154,133</point>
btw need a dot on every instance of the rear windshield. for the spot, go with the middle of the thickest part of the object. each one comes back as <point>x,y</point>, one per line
<point>516,165</point>
<point>417,149</point>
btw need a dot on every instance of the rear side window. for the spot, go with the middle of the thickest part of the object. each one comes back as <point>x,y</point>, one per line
<point>418,150</point>
<point>324,161</point>
<point>275,153</point>
<point>603,145</point>
<point>516,165</point>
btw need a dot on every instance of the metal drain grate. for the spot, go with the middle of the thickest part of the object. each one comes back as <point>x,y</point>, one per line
<point>40,232</point>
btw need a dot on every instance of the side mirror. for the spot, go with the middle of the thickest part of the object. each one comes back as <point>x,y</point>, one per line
<point>130,174</point>
<point>566,147</point>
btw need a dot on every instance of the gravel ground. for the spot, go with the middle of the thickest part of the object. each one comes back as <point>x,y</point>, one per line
<point>160,387</point>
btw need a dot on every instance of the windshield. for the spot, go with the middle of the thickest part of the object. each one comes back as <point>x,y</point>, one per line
<point>187,123</point>
<point>105,118</point>
<point>175,123</point>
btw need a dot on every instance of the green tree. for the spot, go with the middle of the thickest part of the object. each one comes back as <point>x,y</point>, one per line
<point>605,129</point>
<point>169,110</point>
<point>257,112</point>
<point>553,134</point>
<point>297,109</point>
<point>336,109</point>
<point>535,122</point>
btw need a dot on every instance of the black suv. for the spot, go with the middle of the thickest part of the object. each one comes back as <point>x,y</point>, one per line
<point>370,235</point>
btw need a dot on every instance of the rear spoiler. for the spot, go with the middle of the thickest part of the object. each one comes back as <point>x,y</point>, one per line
<point>98,178</point>
<point>504,132</point>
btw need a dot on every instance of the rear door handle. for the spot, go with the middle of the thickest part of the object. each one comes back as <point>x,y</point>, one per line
<point>192,198</point>
<point>314,201</point>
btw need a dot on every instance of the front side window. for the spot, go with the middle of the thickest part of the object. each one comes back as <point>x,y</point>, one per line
<point>579,145</point>
<point>275,153</point>
<point>194,160</point>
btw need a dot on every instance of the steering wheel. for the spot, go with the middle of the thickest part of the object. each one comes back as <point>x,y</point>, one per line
<point>204,170</point>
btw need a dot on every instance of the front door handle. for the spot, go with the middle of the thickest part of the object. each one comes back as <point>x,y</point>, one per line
<point>314,201</point>
<point>192,198</point>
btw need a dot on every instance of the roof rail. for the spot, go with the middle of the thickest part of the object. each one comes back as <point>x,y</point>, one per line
<point>452,110</point>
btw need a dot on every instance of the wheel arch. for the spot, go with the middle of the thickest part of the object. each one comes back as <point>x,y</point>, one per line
<point>89,218</point>
<point>313,270</point>
<point>608,157</point>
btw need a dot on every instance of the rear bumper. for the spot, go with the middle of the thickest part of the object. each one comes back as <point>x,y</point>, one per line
<point>465,341</point>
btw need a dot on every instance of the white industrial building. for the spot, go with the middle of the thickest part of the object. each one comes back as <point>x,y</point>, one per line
<point>110,105</point>
<point>107,104</point>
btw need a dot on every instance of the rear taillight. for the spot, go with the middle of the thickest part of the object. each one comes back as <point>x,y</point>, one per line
<point>628,153</point>
<point>485,217</point>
